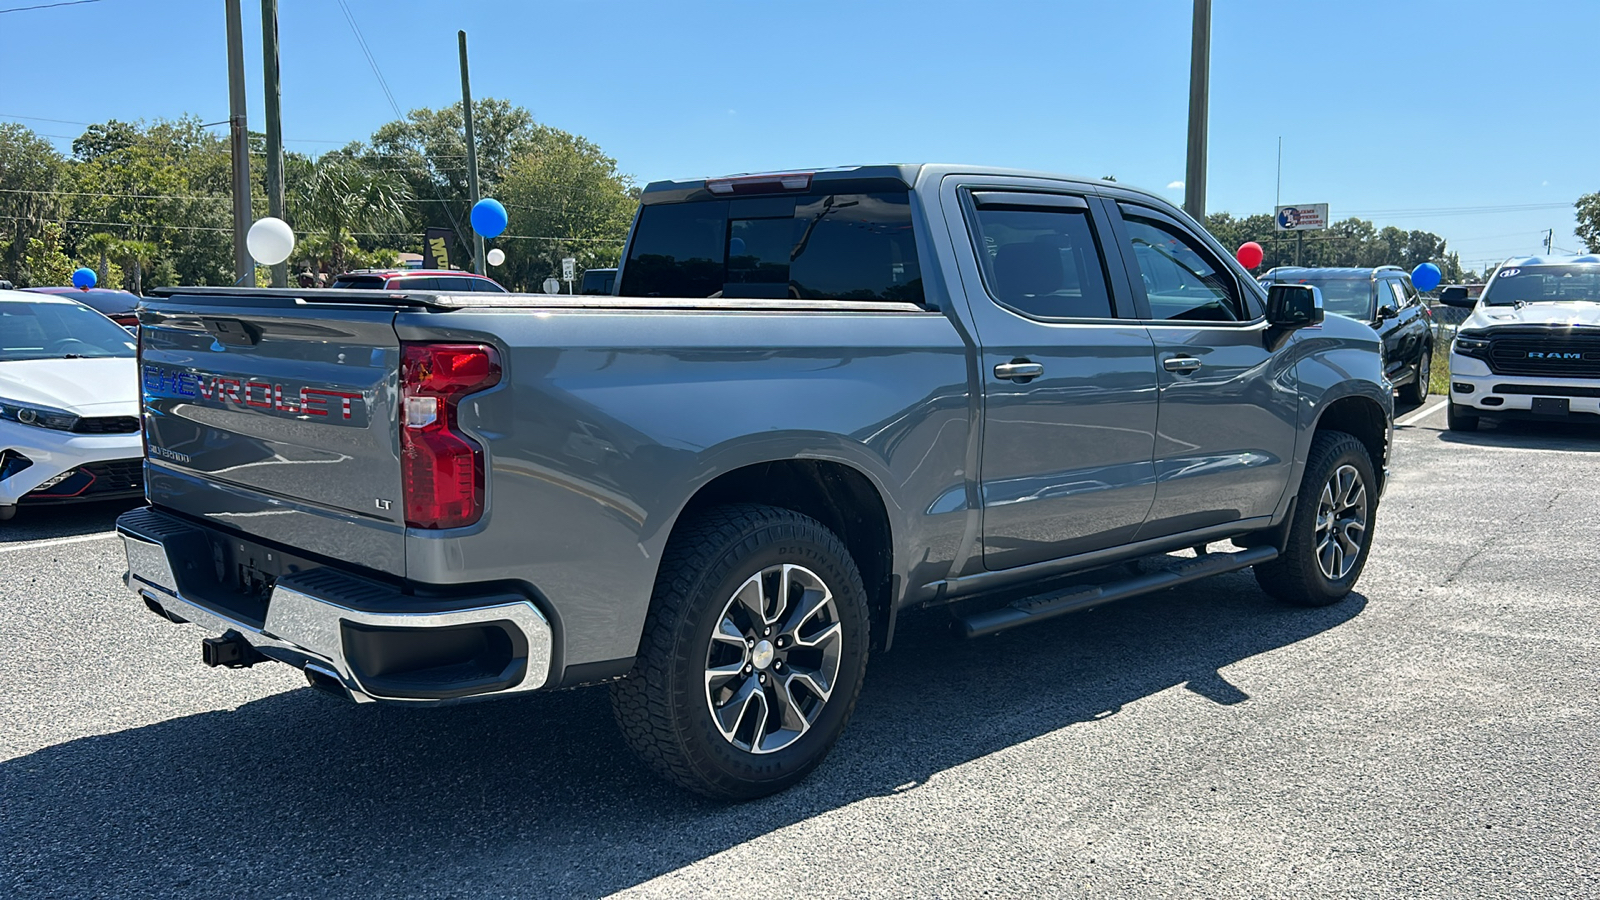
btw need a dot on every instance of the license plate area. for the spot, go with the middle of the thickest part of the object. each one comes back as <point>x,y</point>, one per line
<point>1551,406</point>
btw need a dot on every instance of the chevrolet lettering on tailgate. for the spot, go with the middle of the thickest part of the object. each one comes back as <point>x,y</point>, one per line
<point>221,390</point>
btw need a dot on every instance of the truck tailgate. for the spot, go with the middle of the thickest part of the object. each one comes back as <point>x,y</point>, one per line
<point>277,419</point>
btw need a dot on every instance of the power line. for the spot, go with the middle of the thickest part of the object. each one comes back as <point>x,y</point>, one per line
<point>47,6</point>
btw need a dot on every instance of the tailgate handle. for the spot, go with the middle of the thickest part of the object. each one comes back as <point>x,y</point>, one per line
<point>237,332</point>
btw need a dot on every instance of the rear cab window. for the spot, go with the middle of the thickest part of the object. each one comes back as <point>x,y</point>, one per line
<point>817,246</point>
<point>364,282</point>
<point>1039,254</point>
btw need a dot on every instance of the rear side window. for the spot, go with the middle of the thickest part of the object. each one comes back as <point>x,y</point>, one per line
<point>415,283</point>
<point>829,247</point>
<point>365,282</point>
<point>1043,262</point>
<point>463,285</point>
<point>1182,281</point>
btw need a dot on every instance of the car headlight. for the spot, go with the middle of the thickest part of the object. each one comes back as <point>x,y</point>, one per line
<point>1470,346</point>
<point>37,416</point>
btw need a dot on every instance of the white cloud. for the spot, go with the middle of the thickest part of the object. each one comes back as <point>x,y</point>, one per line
<point>1175,186</point>
<point>1544,184</point>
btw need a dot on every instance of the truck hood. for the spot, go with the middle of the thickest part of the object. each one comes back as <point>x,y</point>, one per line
<point>86,387</point>
<point>1563,314</point>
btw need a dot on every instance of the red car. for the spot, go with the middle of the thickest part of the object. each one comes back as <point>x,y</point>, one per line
<point>120,307</point>
<point>448,281</point>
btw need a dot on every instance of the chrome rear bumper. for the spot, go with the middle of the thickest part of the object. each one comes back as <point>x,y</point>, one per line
<point>324,634</point>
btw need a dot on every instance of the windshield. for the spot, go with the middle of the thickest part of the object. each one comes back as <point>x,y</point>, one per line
<point>59,331</point>
<point>1543,284</point>
<point>1346,296</point>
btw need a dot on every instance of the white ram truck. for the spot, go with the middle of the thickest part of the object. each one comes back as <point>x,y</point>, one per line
<point>1531,348</point>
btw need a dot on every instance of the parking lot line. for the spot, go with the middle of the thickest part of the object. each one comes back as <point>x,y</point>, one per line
<point>53,542</point>
<point>1420,414</point>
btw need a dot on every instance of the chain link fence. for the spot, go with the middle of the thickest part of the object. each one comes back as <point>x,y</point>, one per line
<point>1446,320</point>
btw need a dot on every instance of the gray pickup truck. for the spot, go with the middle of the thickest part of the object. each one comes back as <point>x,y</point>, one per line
<point>814,401</point>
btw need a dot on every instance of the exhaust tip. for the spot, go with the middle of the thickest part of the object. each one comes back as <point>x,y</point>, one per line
<point>325,681</point>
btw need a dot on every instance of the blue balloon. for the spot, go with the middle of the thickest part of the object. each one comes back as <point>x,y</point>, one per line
<point>1426,277</point>
<point>488,217</point>
<point>83,279</point>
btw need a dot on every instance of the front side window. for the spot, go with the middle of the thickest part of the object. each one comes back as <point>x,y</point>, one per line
<point>828,247</point>
<point>1182,281</point>
<point>1397,292</point>
<point>1043,262</point>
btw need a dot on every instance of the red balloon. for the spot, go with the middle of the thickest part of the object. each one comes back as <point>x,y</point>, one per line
<point>1250,254</point>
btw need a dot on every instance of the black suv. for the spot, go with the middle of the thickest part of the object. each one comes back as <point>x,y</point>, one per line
<point>1385,299</point>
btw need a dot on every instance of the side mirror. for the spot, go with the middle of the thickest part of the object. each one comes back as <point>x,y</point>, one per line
<point>1456,296</point>
<point>1388,312</point>
<point>1294,305</point>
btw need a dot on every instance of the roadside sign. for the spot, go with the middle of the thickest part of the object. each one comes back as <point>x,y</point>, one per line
<point>569,268</point>
<point>552,286</point>
<point>1304,217</point>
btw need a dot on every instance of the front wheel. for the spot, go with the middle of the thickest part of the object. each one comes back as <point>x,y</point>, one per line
<point>753,653</point>
<point>1458,419</point>
<point>1331,527</point>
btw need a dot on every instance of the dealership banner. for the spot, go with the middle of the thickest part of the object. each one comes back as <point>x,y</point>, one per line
<point>436,248</point>
<point>1305,217</point>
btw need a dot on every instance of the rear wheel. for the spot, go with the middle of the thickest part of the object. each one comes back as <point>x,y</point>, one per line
<point>1458,419</point>
<point>1331,527</point>
<point>753,653</point>
<point>1417,391</point>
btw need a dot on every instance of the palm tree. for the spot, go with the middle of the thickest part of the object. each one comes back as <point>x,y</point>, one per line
<point>135,255</point>
<point>343,196</point>
<point>103,244</point>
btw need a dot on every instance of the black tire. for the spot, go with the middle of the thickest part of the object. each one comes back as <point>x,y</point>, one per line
<point>1457,420</point>
<point>1297,575</point>
<point>1416,392</point>
<point>6,512</point>
<point>663,707</point>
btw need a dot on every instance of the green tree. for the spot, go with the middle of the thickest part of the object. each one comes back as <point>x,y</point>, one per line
<point>1588,230</point>
<point>31,171</point>
<point>47,263</point>
<point>343,196</point>
<point>564,198</point>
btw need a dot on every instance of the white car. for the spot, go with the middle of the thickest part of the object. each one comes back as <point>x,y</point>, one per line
<point>1531,348</point>
<point>69,404</point>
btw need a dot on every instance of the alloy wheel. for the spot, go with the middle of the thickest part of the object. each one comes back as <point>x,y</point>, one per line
<point>773,659</point>
<point>1341,522</point>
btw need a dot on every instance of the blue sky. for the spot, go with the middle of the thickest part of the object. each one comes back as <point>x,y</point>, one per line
<point>1462,117</point>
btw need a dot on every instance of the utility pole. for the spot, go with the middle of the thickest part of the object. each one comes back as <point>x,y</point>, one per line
<point>478,262</point>
<point>269,67</point>
<point>1194,181</point>
<point>1277,198</point>
<point>239,145</point>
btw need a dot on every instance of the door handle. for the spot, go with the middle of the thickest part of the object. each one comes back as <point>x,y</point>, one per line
<point>1019,370</point>
<point>1180,364</point>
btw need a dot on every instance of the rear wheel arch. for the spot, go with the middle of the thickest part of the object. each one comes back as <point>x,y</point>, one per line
<point>839,496</point>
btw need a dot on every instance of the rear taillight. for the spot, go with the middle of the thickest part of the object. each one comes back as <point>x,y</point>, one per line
<point>442,468</point>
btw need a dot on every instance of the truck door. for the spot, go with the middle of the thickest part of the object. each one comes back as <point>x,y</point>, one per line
<point>1069,378</point>
<point>1228,401</point>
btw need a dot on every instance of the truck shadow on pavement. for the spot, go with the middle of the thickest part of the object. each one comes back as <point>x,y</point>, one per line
<point>301,795</point>
<point>41,522</point>
<point>1525,434</point>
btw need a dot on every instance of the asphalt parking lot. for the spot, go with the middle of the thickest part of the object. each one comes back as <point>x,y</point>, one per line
<point>1438,734</point>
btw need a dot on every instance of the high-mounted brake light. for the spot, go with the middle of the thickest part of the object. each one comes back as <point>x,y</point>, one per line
<point>760,184</point>
<point>441,466</point>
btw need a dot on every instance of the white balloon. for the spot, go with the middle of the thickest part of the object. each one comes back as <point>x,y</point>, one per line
<point>496,256</point>
<point>270,241</point>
